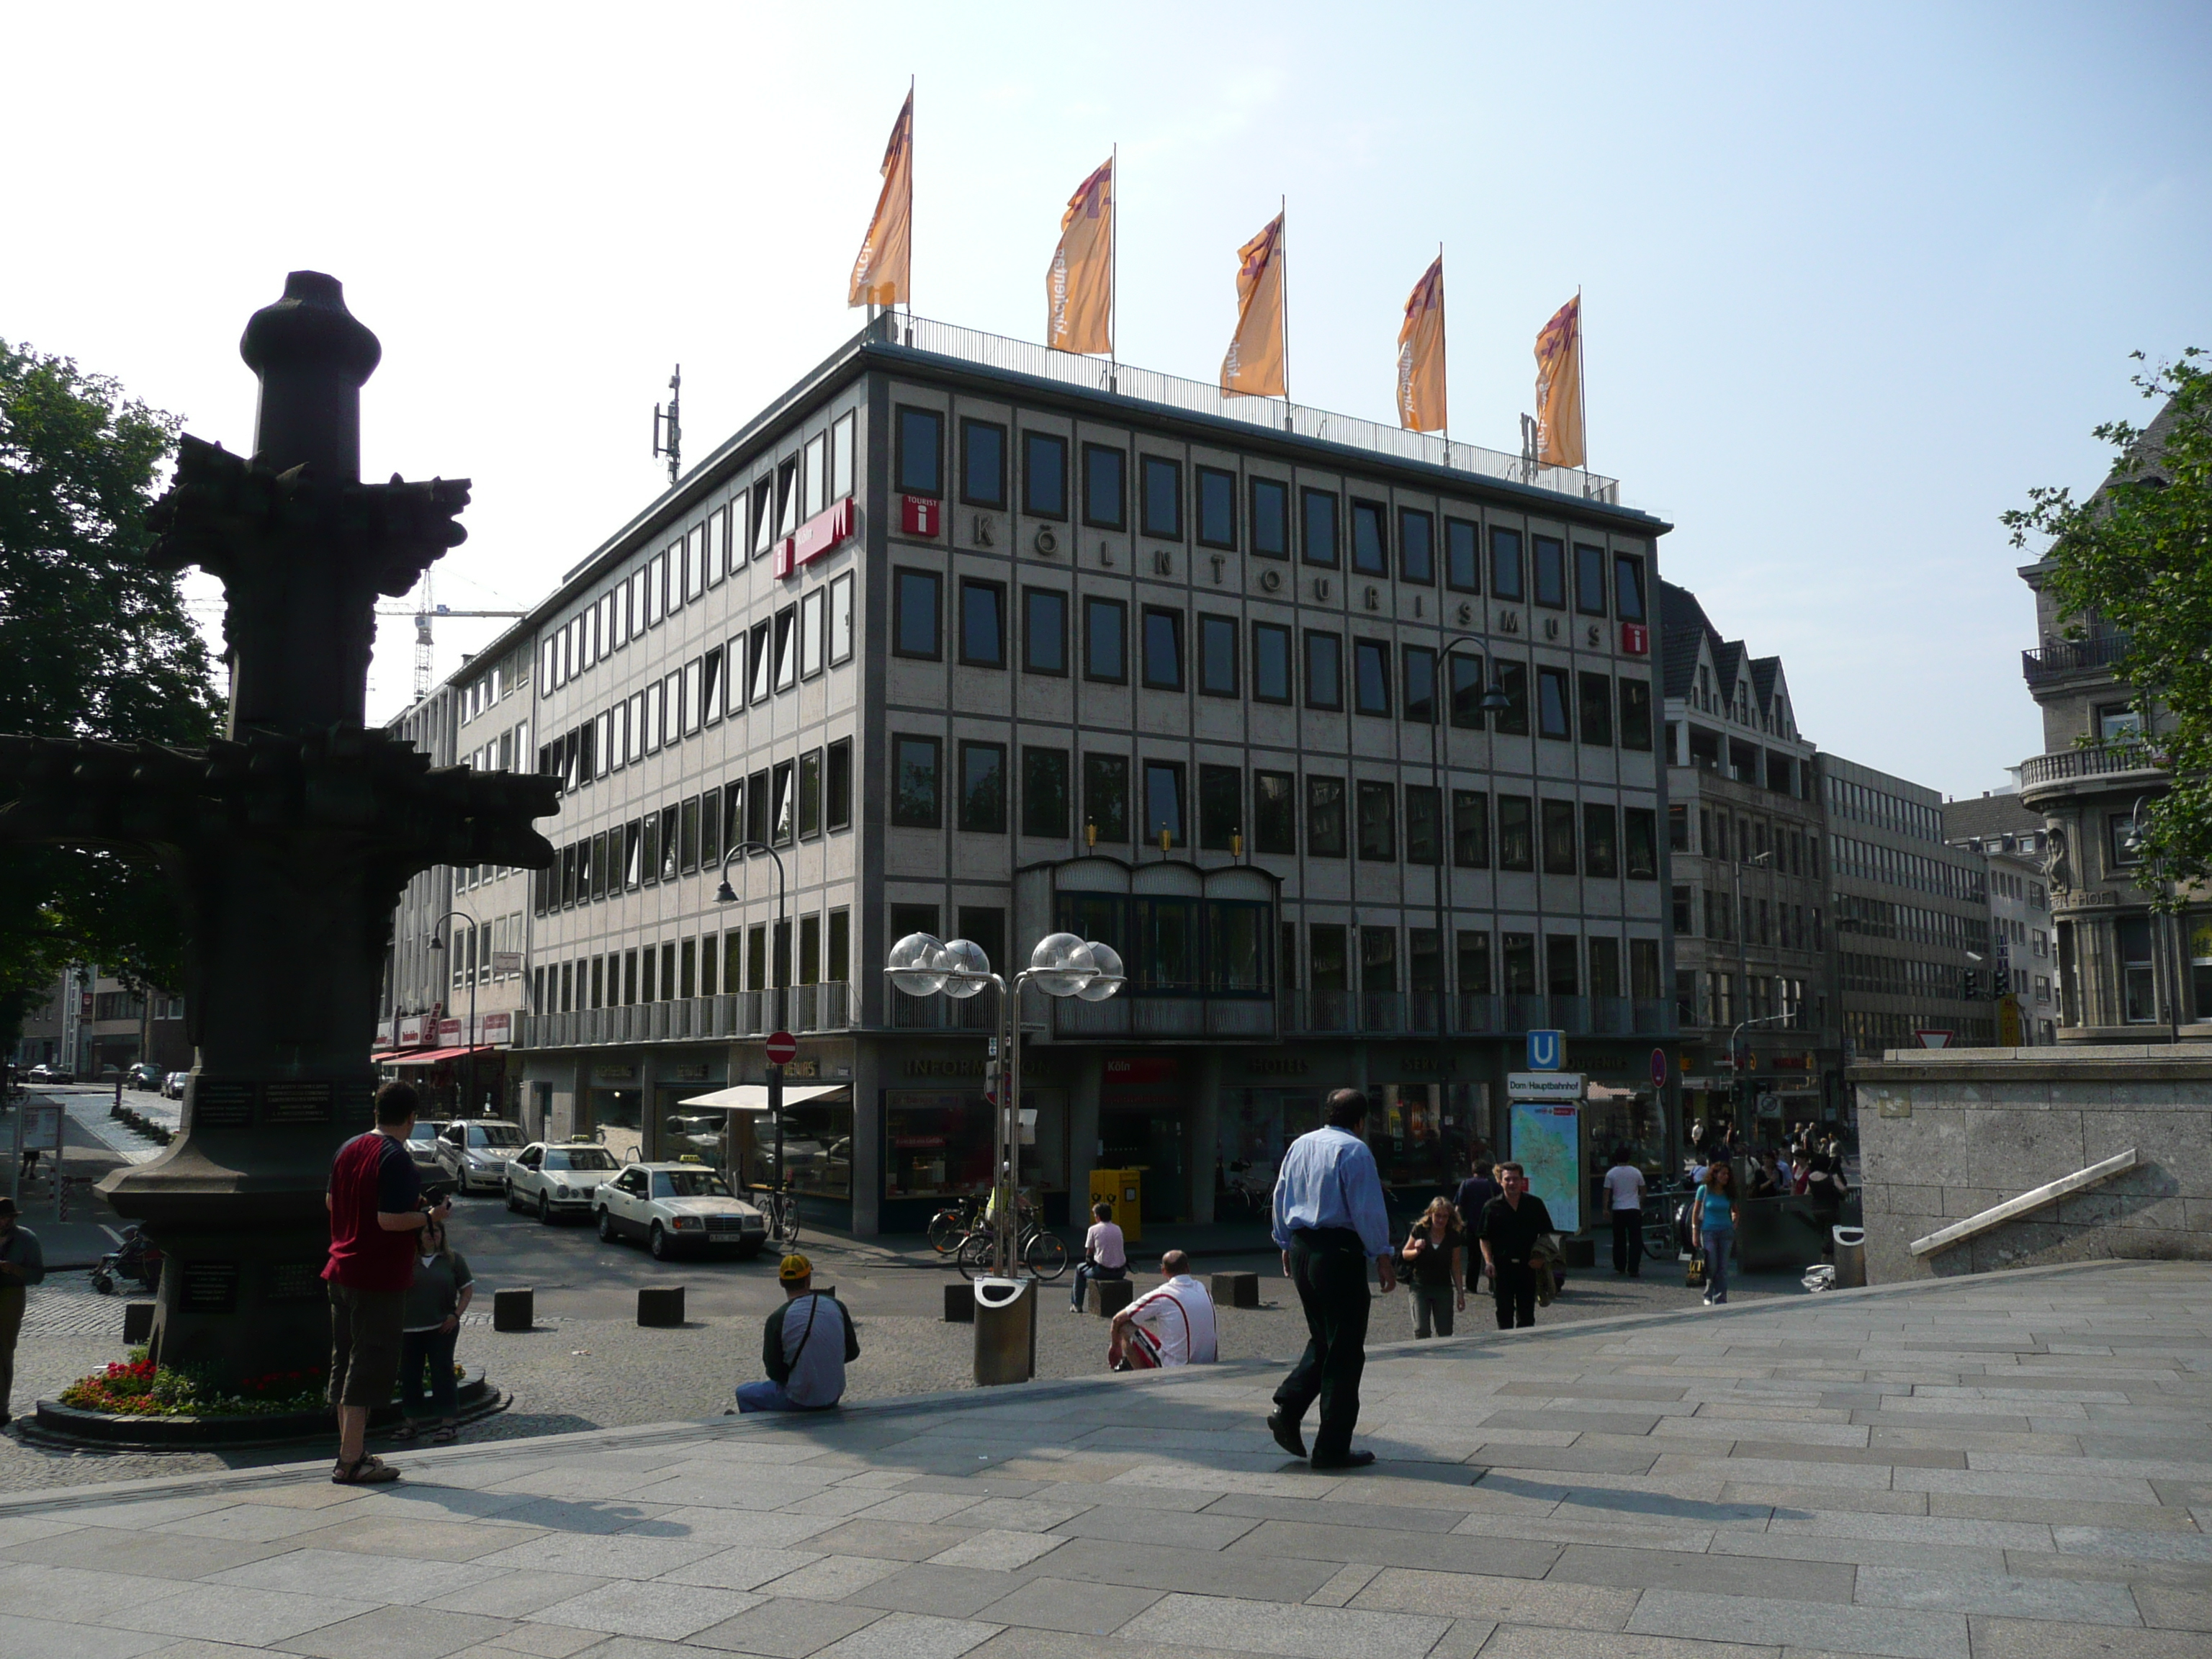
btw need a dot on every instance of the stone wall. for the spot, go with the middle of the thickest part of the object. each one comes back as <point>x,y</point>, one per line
<point>1944,1133</point>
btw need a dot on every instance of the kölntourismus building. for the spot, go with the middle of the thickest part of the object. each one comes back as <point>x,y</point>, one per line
<point>1344,736</point>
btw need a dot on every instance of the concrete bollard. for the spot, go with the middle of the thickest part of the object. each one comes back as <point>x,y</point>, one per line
<point>515,1310</point>
<point>661,1305</point>
<point>137,1323</point>
<point>959,1303</point>
<point>1233,1290</point>
<point>1108,1297</point>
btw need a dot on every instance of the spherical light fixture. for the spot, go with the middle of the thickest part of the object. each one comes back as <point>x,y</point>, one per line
<point>968,969</point>
<point>1108,979</point>
<point>1061,965</point>
<point>917,965</point>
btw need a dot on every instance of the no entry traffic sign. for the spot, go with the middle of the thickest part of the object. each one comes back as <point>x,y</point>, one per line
<point>782,1047</point>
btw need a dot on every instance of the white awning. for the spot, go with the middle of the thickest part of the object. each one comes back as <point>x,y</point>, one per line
<point>753,1096</point>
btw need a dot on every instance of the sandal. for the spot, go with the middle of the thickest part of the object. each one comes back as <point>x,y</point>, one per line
<point>406,1431</point>
<point>365,1471</point>
<point>446,1434</point>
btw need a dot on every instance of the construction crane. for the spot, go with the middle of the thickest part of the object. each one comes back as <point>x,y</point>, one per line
<point>423,611</point>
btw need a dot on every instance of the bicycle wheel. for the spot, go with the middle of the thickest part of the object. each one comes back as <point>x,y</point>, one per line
<point>1045,1254</point>
<point>975,1254</point>
<point>946,1229</point>
<point>786,1222</point>
<point>1659,1240</point>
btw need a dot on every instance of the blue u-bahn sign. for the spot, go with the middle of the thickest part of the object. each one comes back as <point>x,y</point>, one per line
<point>1548,1050</point>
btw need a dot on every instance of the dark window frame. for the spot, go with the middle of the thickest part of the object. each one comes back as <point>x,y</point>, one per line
<point>1419,567</point>
<point>1092,455</point>
<point>900,576</point>
<point>1324,797</point>
<point>1591,580</point>
<point>1201,477</point>
<point>901,469</point>
<point>1147,615</point>
<point>1255,486</point>
<point>934,819</point>
<point>1290,695</point>
<point>1548,559</point>
<point>988,822</point>
<point>1376,653</point>
<point>1377,835</point>
<point>1473,530</point>
<point>1509,566</point>
<point>1145,472</point>
<point>1043,754</point>
<point>1594,698</point>
<point>1306,665</point>
<point>1418,707</point>
<point>1030,666</point>
<point>1034,443</point>
<point>1373,516</point>
<point>1120,607</point>
<point>1547,675</point>
<point>1099,776</point>
<point>1214,781</point>
<point>1212,628</point>
<point>969,427</point>
<point>1179,774</point>
<point>1310,496</point>
<point>837,787</point>
<point>997,590</point>
<point>1280,813</point>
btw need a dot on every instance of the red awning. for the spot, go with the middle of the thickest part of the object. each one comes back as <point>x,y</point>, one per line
<point>431,1056</point>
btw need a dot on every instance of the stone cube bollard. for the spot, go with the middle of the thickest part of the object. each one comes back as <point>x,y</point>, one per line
<point>1231,1289</point>
<point>137,1323</point>
<point>515,1310</point>
<point>1108,1297</point>
<point>960,1303</point>
<point>661,1304</point>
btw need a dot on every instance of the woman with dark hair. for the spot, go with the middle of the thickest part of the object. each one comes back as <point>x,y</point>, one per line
<point>1712,1226</point>
<point>440,1296</point>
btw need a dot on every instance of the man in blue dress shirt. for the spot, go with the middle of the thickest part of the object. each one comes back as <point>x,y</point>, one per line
<point>1329,1220</point>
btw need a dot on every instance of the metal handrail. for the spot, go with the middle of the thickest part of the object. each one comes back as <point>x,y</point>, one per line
<point>2072,657</point>
<point>1997,1214</point>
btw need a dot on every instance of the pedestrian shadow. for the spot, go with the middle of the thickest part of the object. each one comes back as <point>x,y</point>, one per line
<point>1666,1505</point>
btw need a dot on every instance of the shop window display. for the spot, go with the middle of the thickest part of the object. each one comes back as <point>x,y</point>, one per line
<point>937,1143</point>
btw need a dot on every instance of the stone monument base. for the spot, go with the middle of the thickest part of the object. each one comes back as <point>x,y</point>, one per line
<point>55,1423</point>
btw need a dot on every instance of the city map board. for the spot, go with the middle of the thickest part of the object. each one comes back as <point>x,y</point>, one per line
<point>1547,1143</point>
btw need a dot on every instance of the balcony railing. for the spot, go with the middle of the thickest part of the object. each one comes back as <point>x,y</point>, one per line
<point>735,1017</point>
<point>1427,1013</point>
<point>2065,657</point>
<point>2096,761</point>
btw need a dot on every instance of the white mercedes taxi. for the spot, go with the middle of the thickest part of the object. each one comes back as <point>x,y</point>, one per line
<point>677,1208</point>
<point>553,1178</point>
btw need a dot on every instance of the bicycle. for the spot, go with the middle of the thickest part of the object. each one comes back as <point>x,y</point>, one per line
<point>949,1228</point>
<point>1043,1252</point>
<point>781,1209</point>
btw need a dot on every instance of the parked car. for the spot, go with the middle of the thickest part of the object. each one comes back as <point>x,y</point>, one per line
<point>558,1178</point>
<point>473,1152</point>
<point>173,1084</point>
<point>46,1074</point>
<point>678,1207</point>
<point>146,1075</point>
<point>423,1147</point>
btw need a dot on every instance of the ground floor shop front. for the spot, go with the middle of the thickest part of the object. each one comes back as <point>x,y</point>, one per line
<point>881,1130</point>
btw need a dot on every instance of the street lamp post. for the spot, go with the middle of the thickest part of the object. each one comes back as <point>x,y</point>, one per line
<point>436,945</point>
<point>1735,1060</point>
<point>725,894</point>
<point>1761,861</point>
<point>1494,702</point>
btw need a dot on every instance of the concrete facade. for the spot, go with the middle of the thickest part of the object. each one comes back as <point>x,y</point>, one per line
<point>1947,1134</point>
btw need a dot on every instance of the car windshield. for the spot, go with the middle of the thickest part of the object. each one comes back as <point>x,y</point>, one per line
<point>579,1158</point>
<point>689,1183</point>
<point>424,1132</point>
<point>494,1135</point>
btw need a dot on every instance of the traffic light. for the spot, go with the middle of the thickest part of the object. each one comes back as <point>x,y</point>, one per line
<point>1971,985</point>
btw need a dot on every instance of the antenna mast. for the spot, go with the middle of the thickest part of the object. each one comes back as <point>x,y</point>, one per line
<point>672,424</point>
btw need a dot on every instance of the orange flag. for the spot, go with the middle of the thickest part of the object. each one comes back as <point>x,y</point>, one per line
<point>1078,287</point>
<point>1254,367</point>
<point>1560,388</point>
<point>1421,406</point>
<point>880,274</point>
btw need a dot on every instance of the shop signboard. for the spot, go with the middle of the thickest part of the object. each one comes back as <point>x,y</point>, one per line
<point>1547,1143</point>
<point>410,1031</point>
<point>498,1028</point>
<point>1543,1086</point>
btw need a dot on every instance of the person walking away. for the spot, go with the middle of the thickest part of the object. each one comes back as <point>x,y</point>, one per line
<point>804,1347</point>
<point>1329,1223</point>
<point>1436,1268</point>
<point>22,1264</point>
<point>1624,1191</point>
<point>376,1207</point>
<point>1105,1254</point>
<point>1170,1326</point>
<point>1474,1197</point>
<point>1824,1187</point>
<point>1713,1222</point>
<point>1511,1224</point>
<point>441,1294</point>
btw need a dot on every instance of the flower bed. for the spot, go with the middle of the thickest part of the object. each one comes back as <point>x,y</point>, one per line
<point>136,1387</point>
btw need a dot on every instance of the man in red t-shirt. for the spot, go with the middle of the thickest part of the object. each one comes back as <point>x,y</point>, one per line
<point>376,1204</point>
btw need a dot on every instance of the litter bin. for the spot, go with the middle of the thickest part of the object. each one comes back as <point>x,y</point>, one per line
<point>1006,1330</point>
<point>1125,1190</point>
<point>1850,1257</point>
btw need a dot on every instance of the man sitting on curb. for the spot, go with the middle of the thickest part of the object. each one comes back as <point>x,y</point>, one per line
<point>1171,1326</point>
<point>804,1348</point>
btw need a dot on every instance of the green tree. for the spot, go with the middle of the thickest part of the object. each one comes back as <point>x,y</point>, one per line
<point>96,643</point>
<point>2138,557</point>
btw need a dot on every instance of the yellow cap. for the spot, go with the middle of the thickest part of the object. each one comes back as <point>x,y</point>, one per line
<point>794,1268</point>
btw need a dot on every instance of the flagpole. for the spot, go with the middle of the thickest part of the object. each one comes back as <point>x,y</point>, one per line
<point>1444,340</point>
<point>1581,397</point>
<point>909,222</point>
<point>1283,253</point>
<point>1114,271</point>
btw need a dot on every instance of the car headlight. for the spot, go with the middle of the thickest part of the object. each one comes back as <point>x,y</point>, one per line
<point>687,1223</point>
<point>560,1192</point>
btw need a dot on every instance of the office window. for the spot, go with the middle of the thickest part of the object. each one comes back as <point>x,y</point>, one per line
<point>763,517</point>
<point>670,842</point>
<point>1505,571</point>
<point>2121,848</point>
<point>1327,966</point>
<point>983,788</point>
<point>841,457</point>
<point>1105,494</point>
<point>815,474</point>
<point>918,593</point>
<point>1220,806</point>
<point>1424,825</point>
<point>1271,663</point>
<point>1378,961</point>
<point>783,785</point>
<point>710,685</point>
<point>1417,554</point>
<point>1597,690</point>
<point>1271,518</point>
<point>1044,475</point>
<point>1590,582</point>
<point>1044,631</point>
<point>1105,639</point>
<point>841,622</point>
<point>1628,588</point>
<point>1370,676</point>
<point>757,826</point>
<point>1551,558</point>
<point>1462,555</point>
<point>1325,817</point>
<point>1420,685</point>
<point>1470,829</point>
<point>1217,656</point>
<point>811,609</point>
<point>1163,803</point>
<point>914,783</point>
<point>982,624</point>
<point>763,660</point>
<point>787,497</point>
<point>1275,813</point>
<point>837,787</point>
<point>1640,842</point>
<point>1517,848</point>
<point>837,962</point>
<point>1161,486</point>
<point>1559,838</point>
<point>809,950</point>
<point>1600,850</point>
<point>1106,798</point>
<point>1563,965</point>
<point>1044,792</point>
<point>810,794</point>
<point>1216,508</point>
<point>921,461</point>
<point>1635,715</point>
<point>710,831</point>
<point>1473,964</point>
<point>756,956</point>
<point>787,649</point>
<point>1162,649</point>
<point>1378,821</point>
<point>982,463</point>
<point>1317,511</point>
<point>1371,544</point>
<point>1552,704</point>
<point>1324,670</point>
<point>1468,690</point>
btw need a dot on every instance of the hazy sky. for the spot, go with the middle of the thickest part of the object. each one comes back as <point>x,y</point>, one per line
<point>1854,280</point>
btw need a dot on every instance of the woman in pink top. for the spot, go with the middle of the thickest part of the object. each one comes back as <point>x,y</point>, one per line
<point>1105,1256</point>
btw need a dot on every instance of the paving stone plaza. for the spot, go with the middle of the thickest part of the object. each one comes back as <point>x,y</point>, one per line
<point>2005,1467</point>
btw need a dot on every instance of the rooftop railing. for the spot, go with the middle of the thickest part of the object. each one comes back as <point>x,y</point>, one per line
<point>1198,398</point>
<point>2063,657</point>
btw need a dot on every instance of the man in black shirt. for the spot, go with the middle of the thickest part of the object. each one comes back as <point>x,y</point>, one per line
<point>1510,1227</point>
